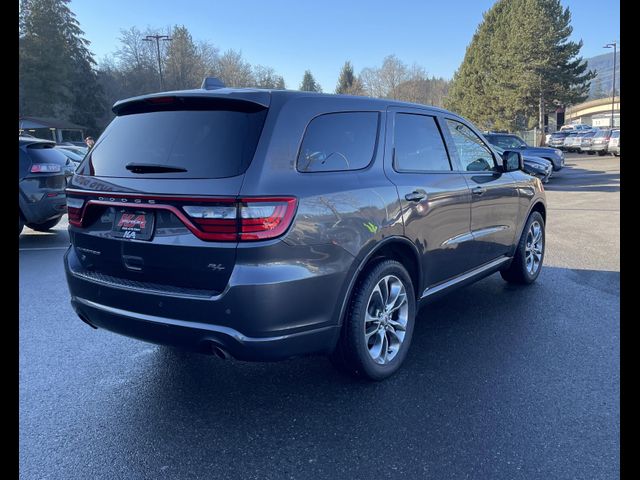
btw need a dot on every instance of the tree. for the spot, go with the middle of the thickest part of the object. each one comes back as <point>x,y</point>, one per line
<point>519,64</point>
<point>383,82</point>
<point>184,67</point>
<point>56,69</point>
<point>266,77</point>
<point>348,82</point>
<point>309,83</point>
<point>233,70</point>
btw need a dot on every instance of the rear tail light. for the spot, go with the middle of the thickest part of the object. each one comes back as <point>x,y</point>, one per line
<point>263,218</point>
<point>208,218</point>
<point>45,168</point>
<point>246,219</point>
<point>74,210</point>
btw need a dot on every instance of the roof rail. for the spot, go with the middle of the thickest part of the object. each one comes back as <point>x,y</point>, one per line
<point>212,83</point>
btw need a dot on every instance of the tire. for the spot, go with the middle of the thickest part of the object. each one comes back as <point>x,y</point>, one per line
<point>518,271</point>
<point>602,153</point>
<point>355,354</point>
<point>45,226</point>
<point>20,224</point>
<point>591,153</point>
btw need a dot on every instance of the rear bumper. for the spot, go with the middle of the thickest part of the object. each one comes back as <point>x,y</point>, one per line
<point>256,318</point>
<point>203,337</point>
<point>599,148</point>
<point>47,208</point>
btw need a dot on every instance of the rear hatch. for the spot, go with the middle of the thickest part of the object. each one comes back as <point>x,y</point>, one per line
<point>154,204</point>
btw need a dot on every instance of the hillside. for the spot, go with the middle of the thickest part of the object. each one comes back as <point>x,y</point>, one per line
<point>601,85</point>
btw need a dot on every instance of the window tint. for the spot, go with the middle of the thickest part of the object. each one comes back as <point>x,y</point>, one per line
<point>505,141</point>
<point>339,141</point>
<point>194,144</point>
<point>45,153</point>
<point>473,154</point>
<point>418,144</point>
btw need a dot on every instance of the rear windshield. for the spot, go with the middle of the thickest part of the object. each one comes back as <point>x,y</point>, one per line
<point>505,141</point>
<point>45,153</point>
<point>602,133</point>
<point>177,144</point>
<point>559,134</point>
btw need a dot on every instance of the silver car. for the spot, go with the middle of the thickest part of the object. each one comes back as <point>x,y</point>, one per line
<point>614,143</point>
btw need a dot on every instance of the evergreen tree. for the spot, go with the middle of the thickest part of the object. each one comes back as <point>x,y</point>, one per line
<point>348,82</point>
<point>309,83</point>
<point>519,64</point>
<point>184,68</point>
<point>56,69</point>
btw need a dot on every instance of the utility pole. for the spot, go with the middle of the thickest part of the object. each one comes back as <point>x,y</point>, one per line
<point>613,45</point>
<point>157,38</point>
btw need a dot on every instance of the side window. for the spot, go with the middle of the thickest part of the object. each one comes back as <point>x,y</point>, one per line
<point>473,154</point>
<point>339,141</point>
<point>418,144</point>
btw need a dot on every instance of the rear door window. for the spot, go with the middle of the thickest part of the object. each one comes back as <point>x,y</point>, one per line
<point>339,141</point>
<point>177,144</point>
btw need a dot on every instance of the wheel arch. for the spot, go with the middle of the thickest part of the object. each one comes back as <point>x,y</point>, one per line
<point>393,248</point>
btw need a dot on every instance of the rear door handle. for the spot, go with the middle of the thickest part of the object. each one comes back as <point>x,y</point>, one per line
<point>478,190</point>
<point>415,196</point>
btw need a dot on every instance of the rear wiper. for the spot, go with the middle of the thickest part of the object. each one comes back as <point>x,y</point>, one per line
<point>153,168</point>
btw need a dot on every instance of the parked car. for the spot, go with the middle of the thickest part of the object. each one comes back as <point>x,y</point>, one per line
<point>586,140</point>
<point>600,141</point>
<point>537,166</point>
<point>614,143</point>
<point>575,127</point>
<point>72,155</point>
<point>276,223</point>
<point>557,139</point>
<point>42,173</point>
<point>82,151</point>
<point>571,142</point>
<point>514,142</point>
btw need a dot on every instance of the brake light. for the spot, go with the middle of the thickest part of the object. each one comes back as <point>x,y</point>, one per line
<point>45,168</point>
<point>159,100</point>
<point>74,210</point>
<point>247,219</point>
<point>208,218</point>
<point>218,222</point>
<point>263,218</point>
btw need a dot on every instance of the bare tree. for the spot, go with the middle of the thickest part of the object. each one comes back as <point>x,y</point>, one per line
<point>233,70</point>
<point>266,77</point>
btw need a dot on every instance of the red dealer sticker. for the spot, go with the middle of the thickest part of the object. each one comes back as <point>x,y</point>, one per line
<point>134,225</point>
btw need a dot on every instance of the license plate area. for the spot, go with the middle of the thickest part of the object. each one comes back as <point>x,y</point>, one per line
<point>133,224</point>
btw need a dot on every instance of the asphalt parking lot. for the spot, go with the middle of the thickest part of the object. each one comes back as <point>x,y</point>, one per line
<point>501,382</point>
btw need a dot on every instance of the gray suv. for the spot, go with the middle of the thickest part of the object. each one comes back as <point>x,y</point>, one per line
<point>263,225</point>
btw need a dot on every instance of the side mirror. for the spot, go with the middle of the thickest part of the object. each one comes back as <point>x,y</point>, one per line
<point>512,161</point>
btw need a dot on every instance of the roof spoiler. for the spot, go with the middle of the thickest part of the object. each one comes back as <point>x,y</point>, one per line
<point>212,83</point>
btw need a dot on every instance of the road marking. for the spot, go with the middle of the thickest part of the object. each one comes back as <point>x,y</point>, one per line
<point>44,248</point>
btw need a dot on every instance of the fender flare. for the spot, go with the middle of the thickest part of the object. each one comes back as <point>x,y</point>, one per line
<point>360,263</point>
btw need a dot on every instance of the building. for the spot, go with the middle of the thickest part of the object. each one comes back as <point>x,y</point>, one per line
<point>50,129</point>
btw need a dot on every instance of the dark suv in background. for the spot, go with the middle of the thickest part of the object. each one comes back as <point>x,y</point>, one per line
<point>263,225</point>
<point>514,142</point>
<point>42,175</point>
